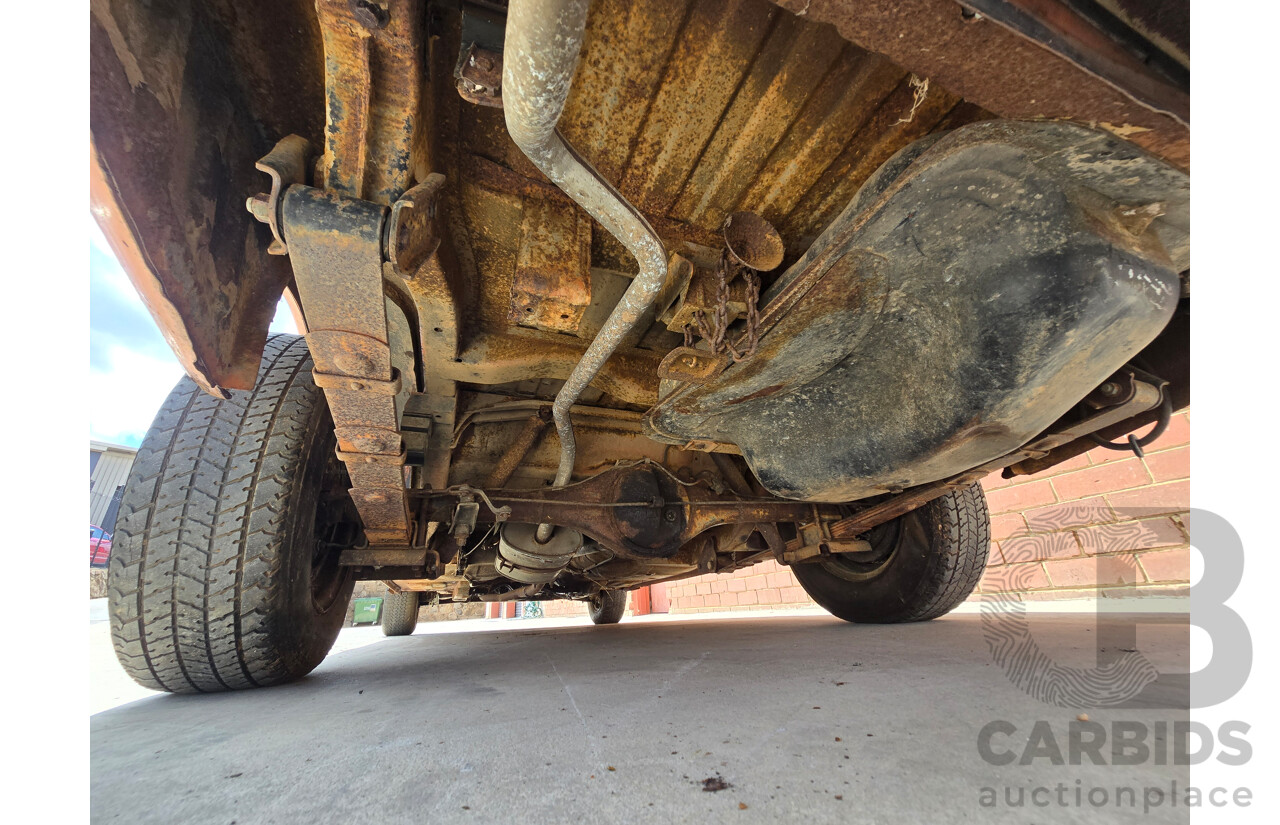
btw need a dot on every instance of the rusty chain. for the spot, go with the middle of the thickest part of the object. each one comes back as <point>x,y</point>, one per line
<point>715,331</point>
<point>753,318</point>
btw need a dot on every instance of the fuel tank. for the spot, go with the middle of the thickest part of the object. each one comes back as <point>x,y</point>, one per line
<point>976,289</point>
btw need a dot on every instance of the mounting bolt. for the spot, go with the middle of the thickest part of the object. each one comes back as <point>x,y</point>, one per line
<point>260,207</point>
<point>1110,389</point>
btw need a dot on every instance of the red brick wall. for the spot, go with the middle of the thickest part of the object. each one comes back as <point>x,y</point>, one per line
<point>765,586</point>
<point>1100,524</point>
<point>563,608</point>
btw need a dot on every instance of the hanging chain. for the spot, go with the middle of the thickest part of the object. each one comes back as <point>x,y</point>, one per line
<point>753,318</point>
<point>715,330</point>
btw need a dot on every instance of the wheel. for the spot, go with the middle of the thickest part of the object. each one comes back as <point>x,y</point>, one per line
<point>224,573</point>
<point>607,606</point>
<point>921,565</point>
<point>399,613</point>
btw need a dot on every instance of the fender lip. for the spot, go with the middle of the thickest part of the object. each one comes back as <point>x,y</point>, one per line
<point>122,237</point>
<point>178,112</point>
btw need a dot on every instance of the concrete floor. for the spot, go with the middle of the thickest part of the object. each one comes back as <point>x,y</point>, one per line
<point>807,719</point>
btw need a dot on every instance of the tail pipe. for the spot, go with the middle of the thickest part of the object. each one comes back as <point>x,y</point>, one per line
<point>539,57</point>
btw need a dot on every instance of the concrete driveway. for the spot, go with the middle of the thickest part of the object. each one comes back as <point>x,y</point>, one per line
<point>802,718</point>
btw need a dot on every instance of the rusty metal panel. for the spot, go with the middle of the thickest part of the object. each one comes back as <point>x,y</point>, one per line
<point>996,68</point>
<point>698,109</point>
<point>793,60</point>
<point>552,282</point>
<point>838,108</point>
<point>613,89</point>
<point>706,69</point>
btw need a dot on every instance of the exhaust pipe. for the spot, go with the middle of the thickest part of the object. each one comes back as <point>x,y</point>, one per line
<point>539,58</point>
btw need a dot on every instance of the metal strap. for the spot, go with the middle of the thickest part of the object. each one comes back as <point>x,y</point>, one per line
<point>335,246</point>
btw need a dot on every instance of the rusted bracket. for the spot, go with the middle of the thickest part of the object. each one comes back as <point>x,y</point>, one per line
<point>551,285</point>
<point>815,542</point>
<point>285,164</point>
<point>691,365</point>
<point>479,75</point>
<point>412,235</point>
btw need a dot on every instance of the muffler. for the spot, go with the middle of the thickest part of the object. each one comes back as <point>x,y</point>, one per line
<point>521,557</point>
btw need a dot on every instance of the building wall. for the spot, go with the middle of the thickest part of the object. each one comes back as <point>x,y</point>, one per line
<point>108,473</point>
<point>1102,524</point>
<point>563,607</point>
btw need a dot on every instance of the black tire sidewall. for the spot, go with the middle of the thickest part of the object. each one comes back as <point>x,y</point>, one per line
<point>303,632</point>
<point>929,555</point>
<point>611,608</point>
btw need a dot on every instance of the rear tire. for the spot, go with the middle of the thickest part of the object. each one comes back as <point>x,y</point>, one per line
<point>930,561</point>
<point>400,613</point>
<point>221,575</point>
<point>607,606</point>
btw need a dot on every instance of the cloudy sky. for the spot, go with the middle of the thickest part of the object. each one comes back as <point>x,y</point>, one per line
<point>131,368</point>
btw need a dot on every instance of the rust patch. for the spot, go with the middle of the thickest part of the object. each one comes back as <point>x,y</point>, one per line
<point>552,283</point>
<point>761,393</point>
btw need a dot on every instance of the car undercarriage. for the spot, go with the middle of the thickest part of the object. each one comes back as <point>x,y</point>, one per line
<point>602,294</point>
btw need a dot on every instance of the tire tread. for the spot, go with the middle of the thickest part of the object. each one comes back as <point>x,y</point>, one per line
<point>193,584</point>
<point>400,613</point>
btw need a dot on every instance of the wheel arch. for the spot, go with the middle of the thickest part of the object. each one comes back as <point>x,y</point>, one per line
<point>183,100</point>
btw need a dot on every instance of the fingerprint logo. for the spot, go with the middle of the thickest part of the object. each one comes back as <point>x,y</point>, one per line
<point>1008,631</point>
<point>1014,648</point>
